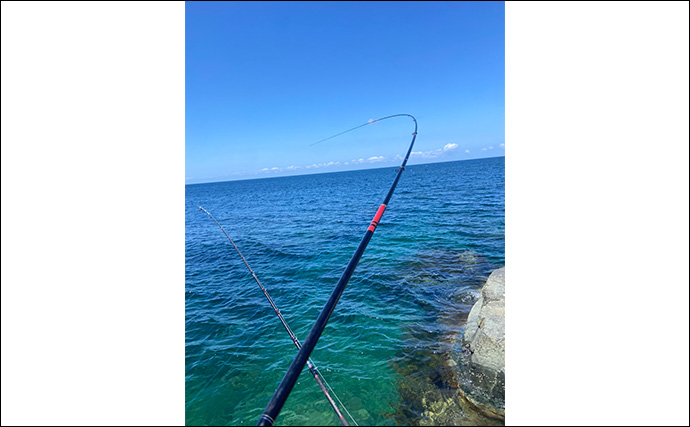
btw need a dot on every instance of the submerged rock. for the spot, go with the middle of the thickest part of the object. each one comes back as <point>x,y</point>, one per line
<point>483,369</point>
<point>445,284</point>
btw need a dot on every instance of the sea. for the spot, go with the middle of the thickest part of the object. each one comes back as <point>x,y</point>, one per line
<point>391,346</point>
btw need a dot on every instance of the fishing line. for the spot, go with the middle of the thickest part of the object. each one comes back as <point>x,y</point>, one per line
<point>341,403</point>
<point>370,122</point>
<point>310,364</point>
<point>288,382</point>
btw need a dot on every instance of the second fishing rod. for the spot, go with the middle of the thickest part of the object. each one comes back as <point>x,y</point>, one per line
<point>310,365</point>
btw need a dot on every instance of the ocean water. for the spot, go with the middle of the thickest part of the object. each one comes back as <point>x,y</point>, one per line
<point>390,347</point>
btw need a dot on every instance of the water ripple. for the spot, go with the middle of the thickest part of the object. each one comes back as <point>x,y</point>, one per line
<point>392,330</point>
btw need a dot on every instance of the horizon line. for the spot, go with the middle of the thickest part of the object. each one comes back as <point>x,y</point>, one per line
<point>345,171</point>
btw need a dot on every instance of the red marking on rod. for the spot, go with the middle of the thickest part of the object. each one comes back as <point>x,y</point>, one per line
<point>377,217</point>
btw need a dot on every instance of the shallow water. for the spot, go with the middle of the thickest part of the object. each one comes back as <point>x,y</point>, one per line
<point>390,342</point>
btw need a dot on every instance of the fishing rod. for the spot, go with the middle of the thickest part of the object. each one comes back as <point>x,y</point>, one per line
<point>310,365</point>
<point>288,382</point>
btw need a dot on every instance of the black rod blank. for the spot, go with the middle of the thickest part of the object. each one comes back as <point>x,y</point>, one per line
<point>286,385</point>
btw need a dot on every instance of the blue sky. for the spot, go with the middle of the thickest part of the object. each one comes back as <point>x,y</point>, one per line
<point>264,80</point>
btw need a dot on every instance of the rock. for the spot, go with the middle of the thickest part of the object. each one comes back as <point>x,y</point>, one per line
<point>483,371</point>
<point>363,416</point>
<point>464,297</point>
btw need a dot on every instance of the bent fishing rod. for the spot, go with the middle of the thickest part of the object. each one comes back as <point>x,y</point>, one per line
<point>286,385</point>
<point>310,365</point>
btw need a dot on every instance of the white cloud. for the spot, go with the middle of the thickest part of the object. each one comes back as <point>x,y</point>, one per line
<point>467,151</point>
<point>483,149</point>
<point>373,159</point>
<point>491,148</point>
<point>435,153</point>
<point>502,145</point>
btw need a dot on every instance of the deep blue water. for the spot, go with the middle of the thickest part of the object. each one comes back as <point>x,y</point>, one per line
<point>398,320</point>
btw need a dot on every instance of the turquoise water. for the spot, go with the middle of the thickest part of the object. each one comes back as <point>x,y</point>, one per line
<point>397,323</point>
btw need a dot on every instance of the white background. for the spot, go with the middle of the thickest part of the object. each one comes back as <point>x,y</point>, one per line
<point>93,213</point>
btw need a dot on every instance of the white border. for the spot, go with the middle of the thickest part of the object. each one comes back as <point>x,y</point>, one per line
<point>597,213</point>
<point>92,213</point>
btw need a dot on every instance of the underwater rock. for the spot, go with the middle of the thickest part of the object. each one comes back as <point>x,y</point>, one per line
<point>483,349</point>
<point>446,284</point>
<point>464,297</point>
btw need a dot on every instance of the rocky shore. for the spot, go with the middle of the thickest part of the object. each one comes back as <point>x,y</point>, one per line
<point>481,371</point>
<point>442,380</point>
